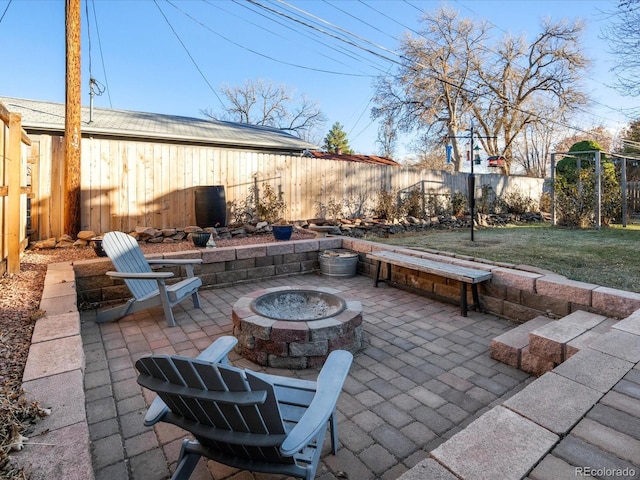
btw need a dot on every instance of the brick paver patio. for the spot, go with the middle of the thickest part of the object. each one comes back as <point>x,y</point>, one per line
<point>423,375</point>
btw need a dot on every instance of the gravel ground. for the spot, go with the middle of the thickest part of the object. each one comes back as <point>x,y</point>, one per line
<point>19,301</point>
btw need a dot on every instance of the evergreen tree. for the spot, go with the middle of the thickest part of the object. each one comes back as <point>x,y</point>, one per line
<point>336,140</point>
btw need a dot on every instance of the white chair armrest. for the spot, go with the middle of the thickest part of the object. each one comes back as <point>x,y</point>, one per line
<point>218,350</point>
<point>141,275</point>
<point>330,381</point>
<point>174,261</point>
<point>187,263</point>
<point>156,411</point>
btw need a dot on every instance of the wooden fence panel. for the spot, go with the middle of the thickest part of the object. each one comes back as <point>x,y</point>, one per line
<point>128,183</point>
<point>633,197</point>
<point>4,193</point>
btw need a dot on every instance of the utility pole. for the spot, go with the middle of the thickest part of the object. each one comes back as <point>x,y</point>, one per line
<point>72,131</point>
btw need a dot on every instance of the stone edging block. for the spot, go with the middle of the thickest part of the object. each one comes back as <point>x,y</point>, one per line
<point>554,402</point>
<point>500,444</point>
<point>619,302</point>
<point>51,327</point>
<point>53,357</point>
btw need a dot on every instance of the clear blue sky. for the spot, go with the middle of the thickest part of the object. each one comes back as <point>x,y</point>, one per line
<point>134,52</point>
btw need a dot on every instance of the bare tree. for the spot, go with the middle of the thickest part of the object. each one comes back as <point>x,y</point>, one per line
<point>258,102</point>
<point>387,138</point>
<point>521,77</point>
<point>533,148</point>
<point>623,35</point>
<point>629,141</point>
<point>429,91</point>
<point>600,134</point>
<point>451,77</point>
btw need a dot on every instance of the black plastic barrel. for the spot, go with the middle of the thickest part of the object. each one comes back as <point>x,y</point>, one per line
<point>210,206</point>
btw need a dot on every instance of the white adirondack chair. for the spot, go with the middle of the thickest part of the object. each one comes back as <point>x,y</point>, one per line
<point>147,287</point>
<point>244,419</point>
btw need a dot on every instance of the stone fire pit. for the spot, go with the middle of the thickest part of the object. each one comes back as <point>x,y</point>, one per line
<point>287,327</point>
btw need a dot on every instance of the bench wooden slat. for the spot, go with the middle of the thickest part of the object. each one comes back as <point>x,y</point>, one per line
<point>455,272</point>
<point>464,275</point>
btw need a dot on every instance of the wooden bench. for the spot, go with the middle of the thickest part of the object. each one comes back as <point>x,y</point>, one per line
<point>462,274</point>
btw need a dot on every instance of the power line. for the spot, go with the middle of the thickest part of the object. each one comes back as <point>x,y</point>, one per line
<point>359,19</point>
<point>104,70</point>
<point>86,12</point>
<point>246,6</point>
<point>188,52</point>
<point>342,30</point>
<point>326,32</point>
<point>389,18</point>
<point>312,34</point>
<point>259,53</point>
<point>5,10</point>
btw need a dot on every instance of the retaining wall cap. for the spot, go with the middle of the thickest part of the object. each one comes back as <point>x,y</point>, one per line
<point>53,357</point>
<point>500,443</point>
<point>631,324</point>
<point>554,402</point>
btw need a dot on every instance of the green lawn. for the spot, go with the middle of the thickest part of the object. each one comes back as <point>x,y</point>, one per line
<point>607,257</point>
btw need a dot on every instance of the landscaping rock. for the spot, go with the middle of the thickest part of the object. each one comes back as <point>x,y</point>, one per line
<point>86,235</point>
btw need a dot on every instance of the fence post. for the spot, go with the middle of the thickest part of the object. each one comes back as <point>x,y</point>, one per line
<point>623,181</point>
<point>598,190</point>
<point>256,195</point>
<point>422,199</point>
<point>553,189</point>
<point>14,211</point>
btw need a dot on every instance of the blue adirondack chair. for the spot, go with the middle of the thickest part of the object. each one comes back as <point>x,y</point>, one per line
<point>244,419</point>
<point>147,287</point>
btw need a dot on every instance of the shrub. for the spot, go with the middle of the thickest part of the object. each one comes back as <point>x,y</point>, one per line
<point>387,206</point>
<point>270,205</point>
<point>334,210</point>
<point>486,202</point>
<point>413,203</point>
<point>575,188</point>
<point>436,204</point>
<point>458,203</point>
<point>516,202</point>
<point>244,211</point>
<point>545,202</point>
<point>356,205</point>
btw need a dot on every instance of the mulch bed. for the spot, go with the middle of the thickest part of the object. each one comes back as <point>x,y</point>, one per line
<point>19,301</point>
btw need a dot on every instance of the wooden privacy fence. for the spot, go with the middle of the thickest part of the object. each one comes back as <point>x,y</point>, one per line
<point>127,183</point>
<point>14,189</point>
<point>633,197</point>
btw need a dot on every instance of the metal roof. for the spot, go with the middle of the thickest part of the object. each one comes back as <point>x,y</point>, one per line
<point>49,116</point>
<point>353,158</point>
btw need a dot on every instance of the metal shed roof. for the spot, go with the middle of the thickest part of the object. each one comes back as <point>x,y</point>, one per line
<point>44,116</point>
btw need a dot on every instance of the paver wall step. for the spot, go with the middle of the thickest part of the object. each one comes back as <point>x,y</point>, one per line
<point>584,319</point>
<point>539,345</point>
<point>550,340</point>
<point>534,364</point>
<point>507,348</point>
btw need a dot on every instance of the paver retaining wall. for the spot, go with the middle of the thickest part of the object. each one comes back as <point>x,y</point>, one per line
<point>517,292</point>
